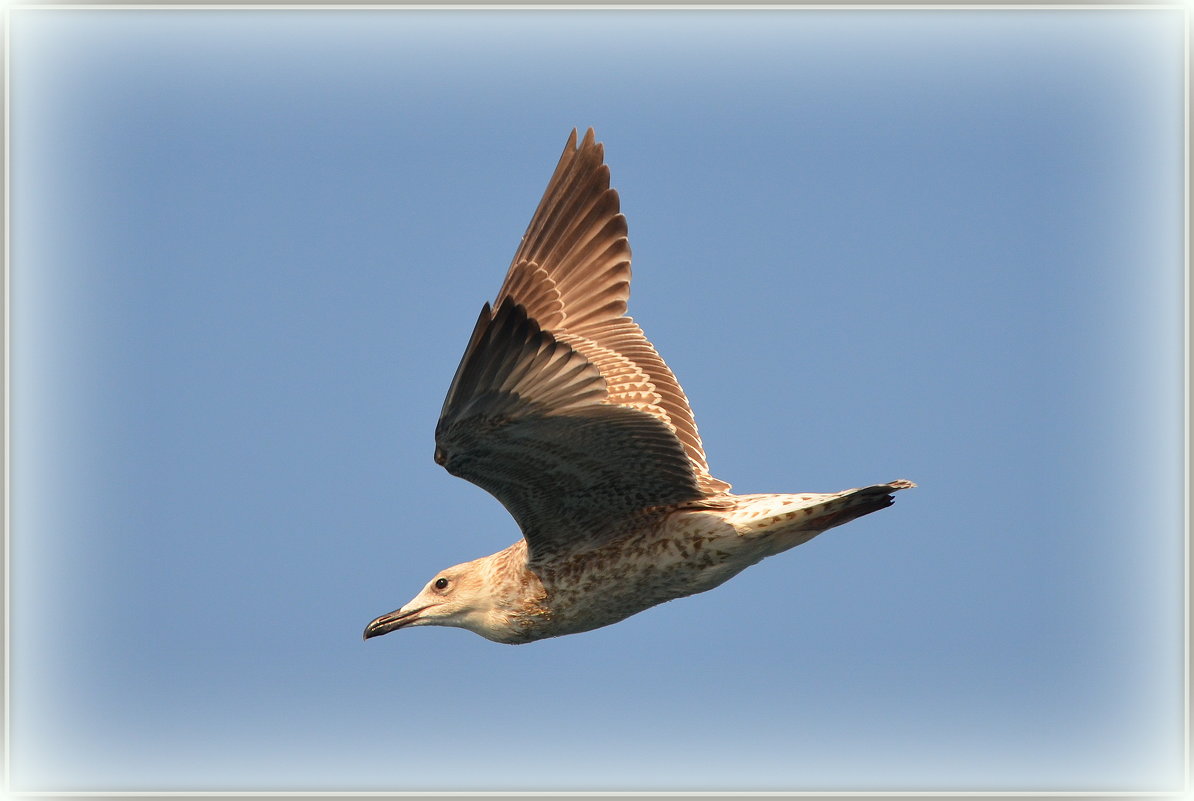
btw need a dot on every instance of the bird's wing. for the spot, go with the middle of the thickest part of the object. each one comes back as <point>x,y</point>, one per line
<point>572,275</point>
<point>528,418</point>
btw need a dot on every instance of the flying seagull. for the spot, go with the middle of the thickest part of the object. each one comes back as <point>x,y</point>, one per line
<point>563,410</point>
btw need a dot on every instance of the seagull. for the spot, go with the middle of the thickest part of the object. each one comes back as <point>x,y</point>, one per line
<point>563,411</point>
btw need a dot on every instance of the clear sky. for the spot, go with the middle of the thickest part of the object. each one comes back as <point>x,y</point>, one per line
<point>248,249</point>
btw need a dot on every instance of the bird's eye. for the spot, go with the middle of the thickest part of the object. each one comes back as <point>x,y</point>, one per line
<point>441,583</point>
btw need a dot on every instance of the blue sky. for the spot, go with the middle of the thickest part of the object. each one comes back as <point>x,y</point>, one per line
<point>247,250</point>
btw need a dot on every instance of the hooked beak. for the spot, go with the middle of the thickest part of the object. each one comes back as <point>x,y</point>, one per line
<point>394,620</point>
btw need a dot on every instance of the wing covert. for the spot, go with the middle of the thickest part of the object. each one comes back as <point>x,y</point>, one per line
<point>525,419</point>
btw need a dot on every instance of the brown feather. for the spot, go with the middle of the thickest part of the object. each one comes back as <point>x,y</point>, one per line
<point>526,420</point>
<point>572,274</point>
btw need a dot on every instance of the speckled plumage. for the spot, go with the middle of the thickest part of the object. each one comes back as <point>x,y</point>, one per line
<point>563,410</point>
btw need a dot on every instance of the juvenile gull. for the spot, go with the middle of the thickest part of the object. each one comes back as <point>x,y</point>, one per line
<point>563,410</point>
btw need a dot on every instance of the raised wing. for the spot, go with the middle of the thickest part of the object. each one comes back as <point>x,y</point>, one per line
<point>572,274</point>
<point>526,419</point>
<point>561,408</point>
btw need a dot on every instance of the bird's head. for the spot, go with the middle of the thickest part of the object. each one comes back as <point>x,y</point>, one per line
<point>464,596</point>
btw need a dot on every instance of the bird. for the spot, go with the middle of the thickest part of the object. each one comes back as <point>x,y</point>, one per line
<point>564,411</point>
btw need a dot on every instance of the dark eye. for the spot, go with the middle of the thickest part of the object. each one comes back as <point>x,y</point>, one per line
<point>441,584</point>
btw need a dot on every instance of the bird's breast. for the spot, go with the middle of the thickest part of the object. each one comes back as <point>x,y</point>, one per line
<point>682,554</point>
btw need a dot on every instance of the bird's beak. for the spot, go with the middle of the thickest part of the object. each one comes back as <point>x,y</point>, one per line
<point>394,620</point>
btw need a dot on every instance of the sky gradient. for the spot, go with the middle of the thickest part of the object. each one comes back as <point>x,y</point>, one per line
<point>247,249</point>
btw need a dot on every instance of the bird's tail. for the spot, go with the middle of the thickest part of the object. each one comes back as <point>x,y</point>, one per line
<point>851,504</point>
<point>784,521</point>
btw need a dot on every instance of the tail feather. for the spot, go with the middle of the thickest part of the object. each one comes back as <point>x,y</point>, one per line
<point>781,522</point>
<point>812,511</point>
<point>853,504</point>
